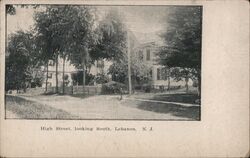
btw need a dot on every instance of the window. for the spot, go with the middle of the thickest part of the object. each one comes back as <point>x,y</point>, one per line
<point>51,63</point>
<point>148,54</point>
<point>50,75</point>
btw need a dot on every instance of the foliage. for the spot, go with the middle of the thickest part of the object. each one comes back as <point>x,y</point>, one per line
<point>101,78</point>
<point>10,9</point>
<point>59,29</point>
<point>111,38</point>
<point>78,78</point>
<point>140,71</point>
<point>21,61</point>
<point>118,70</point>
<point>179,73</point>
<point>37,82</point>
<point>147,88</point>
<point>66,31</point>
<point>183,42</point>
<point>80,35</point>
<point>183,38</point>
<point>113,87</point>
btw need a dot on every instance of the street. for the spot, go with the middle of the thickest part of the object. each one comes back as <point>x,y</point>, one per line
<point>97,107</point>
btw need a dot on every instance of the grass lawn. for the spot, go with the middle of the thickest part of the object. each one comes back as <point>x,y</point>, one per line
<point>23,108</point>
<point>178,97</point>
<point>192,112</point>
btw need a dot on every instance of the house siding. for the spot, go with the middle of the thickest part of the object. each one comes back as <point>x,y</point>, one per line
<point>156,82</point>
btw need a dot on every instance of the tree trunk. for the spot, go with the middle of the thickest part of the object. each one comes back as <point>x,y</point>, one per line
<point>63,74</point>
<point>199,84</point>
<point>129,63</point>
<point>186,85</point>
<point>47,74</point>
<point>56,73</point>
<point>17,89</point>
<point>83,74</point>
<point>24,87</point>
<point>168,83</point>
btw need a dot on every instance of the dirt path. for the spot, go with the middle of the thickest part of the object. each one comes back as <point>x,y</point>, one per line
<point>99,107</point>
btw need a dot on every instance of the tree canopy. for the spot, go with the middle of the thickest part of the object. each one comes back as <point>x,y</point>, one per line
<point>112,38</point>
<point>182,49</point>
<point>21,60</point>
<point>66,31</point>
<point>182,38</point>
<point>139,70</point>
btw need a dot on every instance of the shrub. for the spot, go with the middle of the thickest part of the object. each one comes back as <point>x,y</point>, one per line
<point>112,87</point>
<point>101,78</point>
<point>147,88</point>
<point>195,83</point>
<point>138,87</point>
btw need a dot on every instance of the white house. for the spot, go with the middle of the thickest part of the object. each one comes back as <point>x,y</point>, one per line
<point>147,52</point>
<point>68,70</point>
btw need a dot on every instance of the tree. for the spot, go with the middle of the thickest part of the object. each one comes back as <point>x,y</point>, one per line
<point>21,60</point>
<point>165,74</point>
<point>10,9</point>
<point>183,41</point>
<point>111,38</point>
<point>65,31</point>
<point>183,73</point>
<point>49,34</point>
<point>140,71</point>
<point>106,41</point>
<point>81,36</point>
<point>78,78</point>
<point>112,45</point>
<point>44,40</point>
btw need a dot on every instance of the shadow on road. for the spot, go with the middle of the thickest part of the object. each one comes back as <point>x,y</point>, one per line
<point>176,110</point>
<point>181,98</point>
<point>192,112</point>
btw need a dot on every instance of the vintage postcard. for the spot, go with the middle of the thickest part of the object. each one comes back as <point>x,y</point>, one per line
<point>124,79</point>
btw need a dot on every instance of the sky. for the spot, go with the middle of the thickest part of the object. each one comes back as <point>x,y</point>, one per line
<point>140,20</point>
<point>22,20</point>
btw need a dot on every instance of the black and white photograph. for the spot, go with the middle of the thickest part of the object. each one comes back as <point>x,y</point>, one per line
<point>124,78</point>
<point>103,62</point>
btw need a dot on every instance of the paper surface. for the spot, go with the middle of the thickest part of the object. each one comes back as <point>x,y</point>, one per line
<point>224,127</point>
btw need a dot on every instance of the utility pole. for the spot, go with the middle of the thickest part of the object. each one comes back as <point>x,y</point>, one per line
<point>129,63</point>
